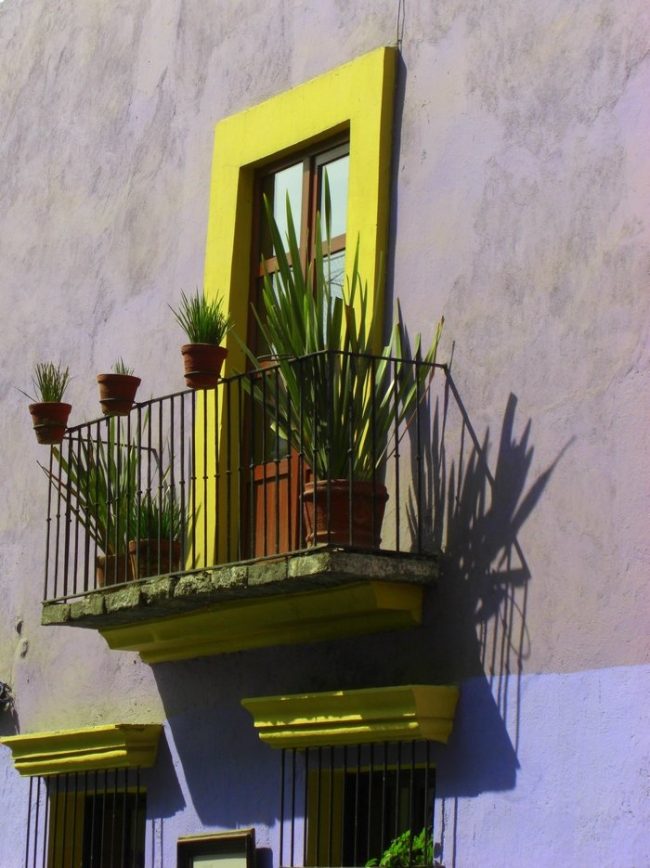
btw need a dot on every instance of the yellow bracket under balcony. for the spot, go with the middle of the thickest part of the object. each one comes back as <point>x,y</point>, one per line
<point>344,717</point>
<point>118,745</point>
<point>283,619</point>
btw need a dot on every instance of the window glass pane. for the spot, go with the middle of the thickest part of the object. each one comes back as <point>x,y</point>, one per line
<point>288,182</point>
<point>334,266</point>
<point>337,175</point>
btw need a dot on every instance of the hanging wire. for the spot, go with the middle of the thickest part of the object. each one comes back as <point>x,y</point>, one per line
<point>401,19</point>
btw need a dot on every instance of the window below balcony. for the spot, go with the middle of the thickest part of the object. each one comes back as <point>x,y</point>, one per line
<point>357,777</point>
<point>86,800</point>
<point>80,819</point>
<point>346,805</point>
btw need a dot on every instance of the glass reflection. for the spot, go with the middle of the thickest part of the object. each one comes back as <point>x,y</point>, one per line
<point>337,175</point>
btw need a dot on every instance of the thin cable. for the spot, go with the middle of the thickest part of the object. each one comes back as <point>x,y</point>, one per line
<point>401,19</point>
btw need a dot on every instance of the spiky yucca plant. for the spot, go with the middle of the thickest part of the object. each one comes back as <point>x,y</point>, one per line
<point>339,405</point>
<point>100,482</point>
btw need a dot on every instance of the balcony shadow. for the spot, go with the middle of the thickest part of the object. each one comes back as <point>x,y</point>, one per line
<point>165,797</point>
<point>474,633</point>
<point>478,612</point>
<point>228,776</point>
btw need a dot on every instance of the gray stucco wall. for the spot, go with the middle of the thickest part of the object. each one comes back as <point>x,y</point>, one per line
<point>520,210</point>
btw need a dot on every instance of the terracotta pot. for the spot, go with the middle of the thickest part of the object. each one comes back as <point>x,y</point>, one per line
<point>112,570</point>
<point>202,365</point>
<point>366,500</point>
<point>144,557</point>
<point>117,393</point>
<point>50,420</point>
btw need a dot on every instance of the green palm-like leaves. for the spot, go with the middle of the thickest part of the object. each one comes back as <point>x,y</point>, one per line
<point>98,484</point>
<point>339,405</point>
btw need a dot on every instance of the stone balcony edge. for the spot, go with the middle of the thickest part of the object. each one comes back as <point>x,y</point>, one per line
<point>165,596</point>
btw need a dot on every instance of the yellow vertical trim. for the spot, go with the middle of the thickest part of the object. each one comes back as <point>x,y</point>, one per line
<point>357,96</point>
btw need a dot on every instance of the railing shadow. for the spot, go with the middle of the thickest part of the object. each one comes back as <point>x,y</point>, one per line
<point>479,612</point>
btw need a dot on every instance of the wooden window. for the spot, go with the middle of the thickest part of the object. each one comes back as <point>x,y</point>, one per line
<point>87,818</point>
<point>300,180</point>
<point>344,806</point>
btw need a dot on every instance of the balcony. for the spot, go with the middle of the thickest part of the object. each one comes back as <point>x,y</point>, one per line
<point>283,506</point>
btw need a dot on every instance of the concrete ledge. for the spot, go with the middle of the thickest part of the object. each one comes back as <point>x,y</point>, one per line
<point>165,596</point>
<point>325,593</point>
<point>280,619</point>
<point>119,745</point>
<point>379,714</point>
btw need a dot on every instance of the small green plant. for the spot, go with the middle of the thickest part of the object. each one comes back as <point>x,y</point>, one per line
<point>203,321</point>
<point>120,367</point>
<point>406,850</point>
<point>50,382</point>
<point>160,517</point>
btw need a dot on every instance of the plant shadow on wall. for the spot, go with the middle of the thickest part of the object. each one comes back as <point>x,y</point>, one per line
<point>478,611</point>
<point>9,724</point>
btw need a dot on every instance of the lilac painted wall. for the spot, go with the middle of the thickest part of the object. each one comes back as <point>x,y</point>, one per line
<point>520,197</point>
<point>556,777</point>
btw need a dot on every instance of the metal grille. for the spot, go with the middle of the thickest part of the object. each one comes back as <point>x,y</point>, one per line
<point>347,805</point>
<point>86,820</point>
<point>247,470</point>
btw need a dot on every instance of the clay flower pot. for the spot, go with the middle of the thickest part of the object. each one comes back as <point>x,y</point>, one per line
<point>112,570</point>
<point>323,525</point>
<point>117,393</point>
<point>144,557</point>
<point>202,365</point>
<point>50,421</point>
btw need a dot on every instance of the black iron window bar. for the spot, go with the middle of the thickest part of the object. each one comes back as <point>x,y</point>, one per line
<point>346,806</point>
<point>133,497</point>
<point>90,819</point>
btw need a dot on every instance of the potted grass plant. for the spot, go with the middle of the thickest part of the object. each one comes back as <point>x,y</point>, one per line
<point>340,405</point>
<point>136,534</point>
<point>99,482</point>
<point>206,325</point>
<point>49,413</point>
<point>159,525</point>
<point>117,390</point>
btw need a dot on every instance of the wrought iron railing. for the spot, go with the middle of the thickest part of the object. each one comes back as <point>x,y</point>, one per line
<point>349,805</point>
<point>326,449</point>
<point>90,818</point>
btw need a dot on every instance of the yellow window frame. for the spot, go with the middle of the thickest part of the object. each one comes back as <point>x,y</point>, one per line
<point>357,97</point>
<point>67,816</point>
<point>324,791</point>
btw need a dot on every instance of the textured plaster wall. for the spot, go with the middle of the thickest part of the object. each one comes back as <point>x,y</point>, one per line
<point>520,210</point>
<point>580,797</point>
